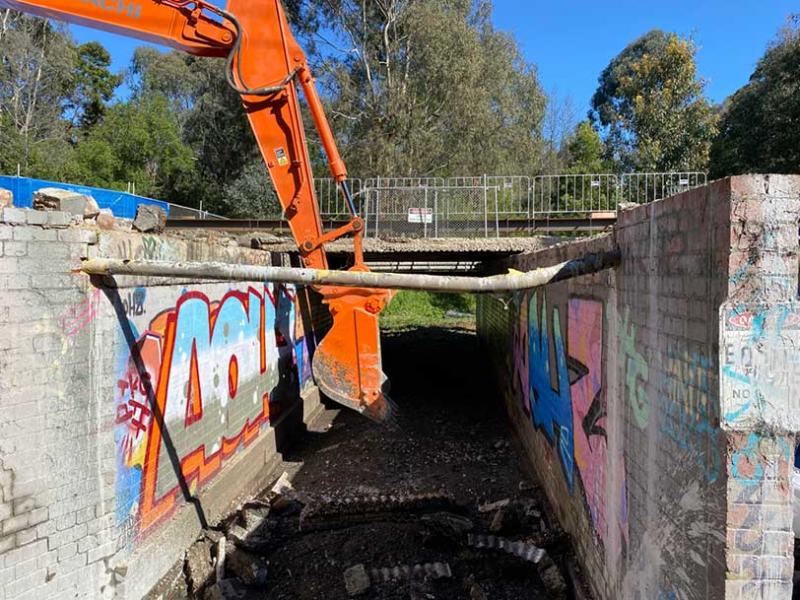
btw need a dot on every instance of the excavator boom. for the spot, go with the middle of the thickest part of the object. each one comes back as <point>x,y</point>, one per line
<point>268,68</point>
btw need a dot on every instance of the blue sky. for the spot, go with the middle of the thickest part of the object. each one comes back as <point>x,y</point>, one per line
<point>572,41</point>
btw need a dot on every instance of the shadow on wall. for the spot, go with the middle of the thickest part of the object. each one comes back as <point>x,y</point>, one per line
<point>199,382</point>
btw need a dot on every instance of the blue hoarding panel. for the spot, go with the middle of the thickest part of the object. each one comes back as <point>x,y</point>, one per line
<point>122,204</point>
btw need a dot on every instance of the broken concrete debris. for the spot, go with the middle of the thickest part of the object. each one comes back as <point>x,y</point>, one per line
<point>105,219</point>
<point>493,506</point>
<point>356,580</point>
<point>373,537</point>
<point>221,557</point>
<point>249,568</point>
<point>253,516</point>
<point>283,487</point>
<point>227,589</point>
<point>198,566</point>
<point>150,219</point>
<point>57,199</point>
<point>6,198</point>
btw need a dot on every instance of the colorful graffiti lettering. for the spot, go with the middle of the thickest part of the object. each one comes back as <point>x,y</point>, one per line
<point>636,372</point>
<point>551,407</point>
<point>201,378</point>
<point>573,415</point>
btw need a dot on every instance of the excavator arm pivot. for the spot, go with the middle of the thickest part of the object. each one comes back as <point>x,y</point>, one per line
<point>268,68</point>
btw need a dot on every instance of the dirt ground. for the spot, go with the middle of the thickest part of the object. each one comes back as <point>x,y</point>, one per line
<point>366,498</point>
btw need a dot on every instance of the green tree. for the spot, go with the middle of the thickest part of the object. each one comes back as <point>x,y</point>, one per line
<point>36,80</point>
<point>94,84</point>
<point>251,195</point>
<point>585,150</point>
<point>430,87</point>
<point>210,121</point>
<point>137,142</point>
<point>760,127</point>
<point>650,103</point>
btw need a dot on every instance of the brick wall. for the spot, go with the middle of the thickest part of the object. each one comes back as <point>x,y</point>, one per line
<point>654,400</point>
<point>118,399</point>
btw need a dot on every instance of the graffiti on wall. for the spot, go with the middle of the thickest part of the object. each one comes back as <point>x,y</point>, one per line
<point>689,416</point>
<point>203,379</point>
<point>568,403</point>
<point>519,358</point>
<point>759,485</point>
<point>550,401</point>
<point>590,415</point>
<point>636,371</point>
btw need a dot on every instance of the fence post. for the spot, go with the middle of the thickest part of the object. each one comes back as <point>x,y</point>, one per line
<point>435,213</point>
<point>485,209</point>
<point>496,214</point>
<point>425,216</point>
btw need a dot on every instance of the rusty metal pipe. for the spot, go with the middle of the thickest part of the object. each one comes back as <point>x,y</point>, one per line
<point>591,263</point>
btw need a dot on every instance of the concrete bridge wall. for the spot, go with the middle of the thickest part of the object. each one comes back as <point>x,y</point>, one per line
<point>658,402</point>
<point>93,479</point>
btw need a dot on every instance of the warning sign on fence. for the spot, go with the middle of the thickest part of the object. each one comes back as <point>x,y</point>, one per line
<point>420,215</point>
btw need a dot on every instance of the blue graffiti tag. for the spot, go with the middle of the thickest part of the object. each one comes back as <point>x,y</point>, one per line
<point>551,409</point>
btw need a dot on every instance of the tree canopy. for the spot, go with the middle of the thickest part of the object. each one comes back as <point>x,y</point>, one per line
<point>760,127</point>
<point>650,103</point>
<point>429,87</point>
<point>585,150</point>
<point>412,87</point>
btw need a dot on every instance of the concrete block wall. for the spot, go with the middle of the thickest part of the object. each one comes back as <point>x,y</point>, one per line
<point>121,399</point>
<point>657,401</point>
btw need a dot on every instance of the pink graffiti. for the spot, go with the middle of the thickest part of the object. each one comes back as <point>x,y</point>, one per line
<point>73,320</point>
<point>519,383</point>
<point>133,402</point>
<point>589,413</point>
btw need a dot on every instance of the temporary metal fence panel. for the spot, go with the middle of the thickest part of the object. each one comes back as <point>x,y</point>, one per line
<point>398,212</point>
<point>485,205</point>
<point>431,212</point>
<point>573,195</point>
<point>513,194</point>
<point>641,188</point>
<point>466,211</point>
<point>403,182</point>
<point>331,203</point>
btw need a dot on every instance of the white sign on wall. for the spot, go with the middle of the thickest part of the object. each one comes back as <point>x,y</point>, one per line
<point>760,365</point>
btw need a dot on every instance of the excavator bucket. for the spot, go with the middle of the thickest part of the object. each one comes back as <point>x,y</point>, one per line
<point>347,362</point>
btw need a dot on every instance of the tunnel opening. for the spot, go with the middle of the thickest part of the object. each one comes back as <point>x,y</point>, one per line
<point>437,506</point>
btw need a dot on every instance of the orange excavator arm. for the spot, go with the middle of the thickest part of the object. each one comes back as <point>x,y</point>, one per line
<point>267,67</point>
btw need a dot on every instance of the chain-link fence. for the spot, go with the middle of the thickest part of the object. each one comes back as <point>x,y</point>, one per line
<point>432,212</point>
